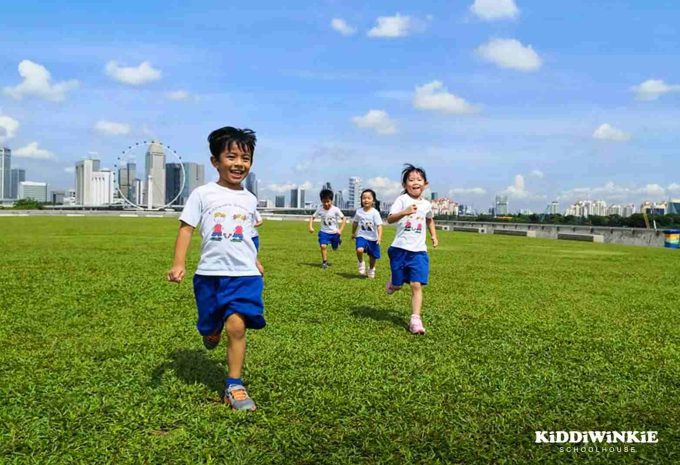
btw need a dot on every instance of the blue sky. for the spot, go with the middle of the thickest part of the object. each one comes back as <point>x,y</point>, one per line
<point>538,100</point>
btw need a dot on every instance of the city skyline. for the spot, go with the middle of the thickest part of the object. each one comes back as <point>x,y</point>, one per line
<point>537,102</point>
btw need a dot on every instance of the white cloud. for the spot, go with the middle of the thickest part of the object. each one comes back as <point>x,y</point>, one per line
<point>36,83</point>
<point>673,188</point>
<point>652,89</point>
<point>537,173</point>
<point>70,169</point>
<point>378,120</point>
<point>467,191</point>
<point>510,53</point>
<point>518,189</point>
<point>111,128</point>
<point>607,132</point>
<point>33,151</point>
<point>177,95</point>
<point>434,96</point>
<point>8,127</point>
<point>652,190</point>
<point>342,27</point>
<point>385,188</point>
<point>392,26</point>
<point>135,76</point>
<point>491,10</point>
<point>281,188</point>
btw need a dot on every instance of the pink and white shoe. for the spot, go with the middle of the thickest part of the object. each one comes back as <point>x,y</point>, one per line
<point>416,325</point>
<point>389,288</point>
<point>362,268</point>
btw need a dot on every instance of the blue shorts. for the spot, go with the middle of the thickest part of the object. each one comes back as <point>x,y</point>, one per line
<point>370,247</point>
<point>333,239</point>
<point>218,297</point>
<point>256,241</point>
<point>408,266</point>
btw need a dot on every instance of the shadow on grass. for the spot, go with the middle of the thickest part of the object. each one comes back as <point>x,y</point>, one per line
<point>351,275</point>
<point>312,265</point>
<point>192,366</point>
<point>390,316</point>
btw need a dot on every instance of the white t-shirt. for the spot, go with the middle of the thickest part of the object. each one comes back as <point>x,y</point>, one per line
<point>256,219</point>
<point>411,229</point>
<point>368,223</point>
<point>225,217</point>
<point>329,218</point>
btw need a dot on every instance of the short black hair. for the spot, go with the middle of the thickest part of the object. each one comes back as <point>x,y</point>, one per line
<point>408,169</point>
<point>372,192</point>
<point>326,194</point>
<point>224,138</point>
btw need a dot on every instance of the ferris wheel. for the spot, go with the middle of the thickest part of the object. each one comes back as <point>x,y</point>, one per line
<point>149,175</point>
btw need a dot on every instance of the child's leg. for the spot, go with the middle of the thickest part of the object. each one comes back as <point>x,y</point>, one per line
<point>360,254</point>
<point>371,262</point>
<point>324,253</point>
<point>236,349</point>
<point>416,298</point>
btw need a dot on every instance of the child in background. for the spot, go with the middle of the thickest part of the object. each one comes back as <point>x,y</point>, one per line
<point>227,283</point>
<point>369,224</point>
<point>330,233</point>
<point>409,261</point>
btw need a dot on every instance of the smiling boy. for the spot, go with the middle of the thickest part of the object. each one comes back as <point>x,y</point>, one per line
<point>227,284</point>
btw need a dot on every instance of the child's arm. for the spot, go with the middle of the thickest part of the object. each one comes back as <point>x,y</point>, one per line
<point>355,225</point>
<point>433,231</point>
<point>342,225</point>
<point>380,228</point>
<point>311,224</point>
<point>176,273</point>
<point>394,217</point>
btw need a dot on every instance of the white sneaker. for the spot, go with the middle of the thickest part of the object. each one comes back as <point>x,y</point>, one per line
<point>362,268</point>
<point>371,273</point>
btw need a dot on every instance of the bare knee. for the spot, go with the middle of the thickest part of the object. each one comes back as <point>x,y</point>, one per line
<point>416,287</point>
<point>236,326</point>
<point>360,250</point>
<point>324,247</point>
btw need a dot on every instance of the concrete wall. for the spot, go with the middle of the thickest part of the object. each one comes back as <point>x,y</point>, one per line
<point>629,236</point>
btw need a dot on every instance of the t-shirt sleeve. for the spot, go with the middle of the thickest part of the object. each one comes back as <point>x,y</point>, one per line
<point>355,218</point>
<point>258,217</point>
<point>339,213</point>
<point>191,214</point>
<point>317,213</point>
<point>397,206</point>
<point>377,219</point>
<point>429,210</point>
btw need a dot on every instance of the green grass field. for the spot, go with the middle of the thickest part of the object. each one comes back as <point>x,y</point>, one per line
<point>100,361</point>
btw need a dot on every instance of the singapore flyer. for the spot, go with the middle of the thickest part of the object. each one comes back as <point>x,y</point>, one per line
<point>150,175</point>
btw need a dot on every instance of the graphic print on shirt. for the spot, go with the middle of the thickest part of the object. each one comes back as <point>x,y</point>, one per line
<point>219,218</point>
<point>367,225</point>
<point>329,221</point>
<point>407,226</point>
<point>237,235</point>
<point>419,229</point>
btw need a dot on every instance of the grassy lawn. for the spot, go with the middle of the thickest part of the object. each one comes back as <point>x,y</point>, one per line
<point>100,361</point>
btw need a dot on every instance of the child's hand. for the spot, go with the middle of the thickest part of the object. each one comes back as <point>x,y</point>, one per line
<point>340,231</point>
<point>354,236</point>
<point>259,266</point>
<point>176,274</point>
<point>378,242</point>
<point>410,210</point>
<point>435,242</point>
<point>311,230</point>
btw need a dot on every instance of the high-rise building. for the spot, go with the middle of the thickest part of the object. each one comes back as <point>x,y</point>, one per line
<point>628,210</point>
<point>155,175</point>
<point>194,176</point>
<point>84,170</point>
<point>280,201</point>
<point>434,196</point>
<point>354,192</point>
<point>127,176</point>
<point>57,197</point>
<point>339,200</point>
<point>327,185</point>
<point>102,188</point>
<point>251,183</point>
<point>297,198</point>
<point>554,207</point>
<point>33,190</point>
<point>5,172</point>
<point>17,175</point>
<point>501,208</point>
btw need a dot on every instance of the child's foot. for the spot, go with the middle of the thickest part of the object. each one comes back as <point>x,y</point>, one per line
<point>362,268</point>
<point>325,265</point>
<point>371,273</point>
<point>416,325</point>
<point>389,288</point>
<point>237,397</point>
<point>212,341</point>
